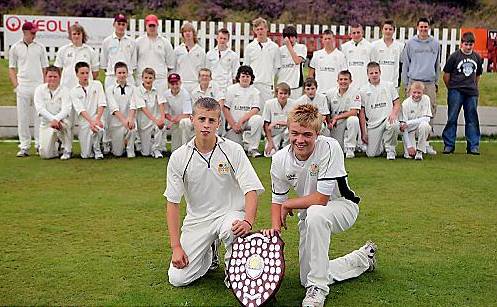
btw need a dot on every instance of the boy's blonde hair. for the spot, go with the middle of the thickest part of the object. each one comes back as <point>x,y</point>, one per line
<point>417,85</point>
<point>285,88</point>
<point>306,115</point>
<point>259,22</point>
<point>188,26</point>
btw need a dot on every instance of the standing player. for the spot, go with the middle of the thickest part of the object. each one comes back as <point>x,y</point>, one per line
<point>326,63</point>
<point>293,57</point>
<point>28,61</point>
<point>358,52</point>
<point>313,166</point>
<point>263,56</point>
<point>387,52</point>
<point>54,107</point>
<point>190,57</point>
<point>380,110</point>
<point>220,188</point>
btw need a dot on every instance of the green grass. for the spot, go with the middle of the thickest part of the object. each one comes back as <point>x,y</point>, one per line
<point>488,84</point>
<point>85,232</point>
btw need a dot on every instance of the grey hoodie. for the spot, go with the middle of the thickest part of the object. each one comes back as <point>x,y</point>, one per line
<point>421,60</point>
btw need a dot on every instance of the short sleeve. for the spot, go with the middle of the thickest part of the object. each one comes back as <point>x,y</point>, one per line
<point>331,167</point>
<point>301,51</point>
<point>323,105</point>
<point>266,114</point>
<point>228,98</point>
<point>279,185</point>
<point>13,57</point>
<point>313,63</point>
<point>356,101</point>
<point>175,187</point>
<point>448,68</point>
<point>245,174</point>
<point>393,91</point>
<point>59,61</point>
<point>404,114</point>
<point>137,101</point>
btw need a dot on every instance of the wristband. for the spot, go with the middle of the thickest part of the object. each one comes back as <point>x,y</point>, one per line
<point>248,223</point>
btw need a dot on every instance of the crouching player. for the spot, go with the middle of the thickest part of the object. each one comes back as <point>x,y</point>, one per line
<point>415,122</point>
<point>54,107</point>
<point>220,188</point>
<point>313,166</point>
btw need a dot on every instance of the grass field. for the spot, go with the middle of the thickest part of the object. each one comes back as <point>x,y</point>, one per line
<point>93,233</point>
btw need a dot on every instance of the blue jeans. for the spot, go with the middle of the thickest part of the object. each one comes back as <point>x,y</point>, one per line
<point>456,100</point>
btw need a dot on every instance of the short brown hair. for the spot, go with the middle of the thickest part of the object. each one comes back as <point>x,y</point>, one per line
<point>282,87</point>
<point>148,71</point>
<point>54,68</point>
<point>306,115</point>
<point>223,31</point>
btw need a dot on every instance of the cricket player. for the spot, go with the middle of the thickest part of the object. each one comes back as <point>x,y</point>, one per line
<point>53,106</point>
<point>263,55</point>
<point>220,187</point>
<point>89,103</point>
<point>190,57</point>
<point>122,125</point>
<point>358,52</point>
<point>293,57</point>
<point>387,52</point>
<point>28,61</point>
<point>318,100</point>
<point>313,166</point>
<point>326,63</point>
<point>415,122</point>
<point>343,122</point>
<point>205,87</point>
<point>380,111</point>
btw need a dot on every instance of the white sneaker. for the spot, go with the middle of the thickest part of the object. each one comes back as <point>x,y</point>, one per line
<point>314,297</point>
<point>138,146</point>
<point>419,155</point>
<point>65,155</point>
<point>130,153</point>
<point>157,154</point>
<point>99,155</point>
<point>254,153</point>
<point>391,155</point>
<point>215,255</point>
<point>22,153</point>
<point>430,151</point>
<point>407,156</point>
<point>349,153</point>
<point>106,146</point>
<point>370,248</point>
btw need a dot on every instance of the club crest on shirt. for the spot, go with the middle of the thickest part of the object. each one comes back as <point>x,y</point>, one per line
<point>223,168</point>
<point>313,169</point>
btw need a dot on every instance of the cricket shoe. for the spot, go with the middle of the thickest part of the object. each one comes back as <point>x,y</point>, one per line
<point>157,154</point>
<point>430,151</point>
<point>65,155</point>
<point>99,155</point>
<point>349,153</point>
<point>314,297</point>
<point>391,155</point>
<point>370,249</point>
<point>215,255</point>
<point>254,153</point>
<point>130,153</point>
<point>22,153</point>
<point>419,155</point>
<point>106,146</point>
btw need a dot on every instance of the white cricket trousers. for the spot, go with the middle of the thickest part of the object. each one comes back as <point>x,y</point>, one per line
<point>280,140</point>
<point>266,93</point>
<point>415,129</point>
<point>49,137</point>
<point>196,241</point>
<point>297,93</point>
<point>89,141</point>
<point>151,139</point>
<point>382,137</point>
<point>26,112</point>
<point>316,228</point>
<point>122,138</point>
<point>346,132</point>
<point>181,133</point>
<point>251,135</point>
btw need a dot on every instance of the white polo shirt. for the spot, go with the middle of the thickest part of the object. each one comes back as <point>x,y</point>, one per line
<point>414,110</point>
<point>52,105</point>
<point>178,104</point>
<point>274,112</point>
<point>319,101</point>
<point>377,101</point>
<point>223,65</point>
<point>389,59</point>
<point>265,60</point>
<point>88,99</point>
<point>212,184</point>
<point>116,101</point>
<point>188,63</point>
<point>197,93</point>
<point>358,56</point>
<point>29,61</point>
<point>323,172</point>
<point>241,100</point>
<point>343,103</point>
<point>291,73</point>
<point>327,66</point>
<point>68,56</point>
<point>143,98</point>
<point>118,50</point>
<point>156,53</point>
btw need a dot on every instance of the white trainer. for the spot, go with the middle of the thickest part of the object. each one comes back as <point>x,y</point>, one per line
<point>22,153</point>
<point>430,151</point>
<point>419,155</point>
<point>106,146</point>
<point>370,249</point>
<point>65,155</point>
<point>391,155</point>
<point>99,155</point>
<point>349,153</point>
<point>157,154</point>
<point>254,153</point>
<point>130,153</point>
<point>314,297</point>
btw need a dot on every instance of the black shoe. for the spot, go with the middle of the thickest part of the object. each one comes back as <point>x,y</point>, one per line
<point>448,150</point>
<point>474,151</point>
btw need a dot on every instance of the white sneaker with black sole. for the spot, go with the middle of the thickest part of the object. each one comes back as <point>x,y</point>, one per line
<point>370,248</point>
<point>419,155</point>
<point>157,154</point>
<point>22,153</point>
<point>215,255</point>
<point>430,151</point>
<point>314,297</point>
<point>391,155</point>
<point>65,155</point>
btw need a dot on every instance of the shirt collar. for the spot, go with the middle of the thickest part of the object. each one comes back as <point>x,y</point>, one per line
<point>191,143</point>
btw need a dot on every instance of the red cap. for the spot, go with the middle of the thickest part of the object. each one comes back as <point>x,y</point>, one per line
<point>120,18</point>
<point>151,19</point>
<point>29,26</point>
<point>173,78</point>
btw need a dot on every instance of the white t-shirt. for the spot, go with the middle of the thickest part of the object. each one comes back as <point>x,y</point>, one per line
<point>319,101</point>
<point>343,103</point>
<point>197,93</point>
<point>326,68</point>
<point>241,100</point>
<point>52,105</point>
<point>68,56</point>
<point>143,98</point>
<point>323,172</point>
<point>358,57</point>
<point>388,58</point>
<point>211,187</point>
<point>265,60</point>
<point>118,50</point>
<point>178,104</point>
<point>291,73</point>
<point>189,63</point>
<point>88,99</point>
<point>29,61</point>
<point>377,101</point>
<point>274,112</point>
<point>116,101</point>
<point>414,110</point>
<point>223,65</point>
<point>157,54</point>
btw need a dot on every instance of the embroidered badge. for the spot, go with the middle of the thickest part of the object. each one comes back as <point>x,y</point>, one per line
<point>223,168</point>
<point>313,169</point>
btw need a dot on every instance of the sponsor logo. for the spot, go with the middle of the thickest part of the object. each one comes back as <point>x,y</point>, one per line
<point>291,177</point>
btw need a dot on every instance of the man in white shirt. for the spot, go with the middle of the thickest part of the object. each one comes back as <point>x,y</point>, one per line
<point>220,187</point>
<point>263,55</point>
<point>313,166</point>
<point>379,114</point>
<point>293,57</point>
<point>358,52</point>
<point>327,63</point>
<point>387,52</point>
<point>190,57</point>
<point>53,106</point>
<point>28,61</point>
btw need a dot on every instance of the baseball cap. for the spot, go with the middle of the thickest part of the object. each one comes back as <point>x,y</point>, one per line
<point>120,18</point>
<point>151,19</point>
<point>173,78</point>
<point>29,26</point>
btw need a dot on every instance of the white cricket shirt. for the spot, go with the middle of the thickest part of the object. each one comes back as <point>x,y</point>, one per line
<point>118,50</point>
<point>51,105</point>
<point>241,100</point>
<point>389,59</point>
<point>326,68</point>
<point>377,101</point>
<point>319,101</point>
<point>291,73</point>
<point>188,63</point>
<point>156,53</point>
<point>274,112</point>
<point>143,98</point>
<point>68,56</point>
<point>29,61</point>
<point>264,58</point>
<point>414,110</point>
<point>88,99</point>
<point>223,65</point>
<point>117,101</point>
<point>358,56</point>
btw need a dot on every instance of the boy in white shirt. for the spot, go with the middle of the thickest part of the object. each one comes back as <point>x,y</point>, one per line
<point>205,87</point>
<point>190,57</point>
<point>358,52</point>
<point>387,52</point>
<point>415,122</point>
<point>89,103</point>
<point>241,108</point>
<point>318,100</point>
<point>380,111</point>
<point>275,115</point>
<point>345,104</point>
<point>122,125</point>
<point>54,107</point>
<point>313,166</point>
<point>293,57</point>
<point>220,187</point>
